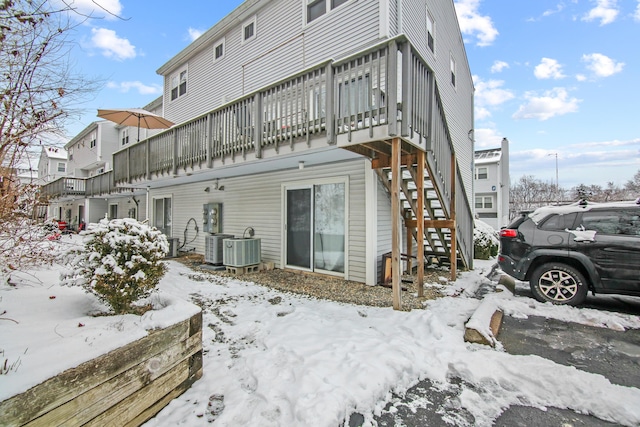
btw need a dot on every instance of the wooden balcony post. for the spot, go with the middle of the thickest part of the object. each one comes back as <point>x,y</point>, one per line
<point>258,133</point>
<point>454,258</point>
<point>175,153</point>
<point>129,164</point>
<point>330,104</point>
<point>430,103</point>
<point>395,224</point>
<point>420,219</point>
<point>407,86</point>
<point>392,87</point>
<point>148,159</point>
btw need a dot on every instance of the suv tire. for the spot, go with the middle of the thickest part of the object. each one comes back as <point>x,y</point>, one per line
<point>559,284</point>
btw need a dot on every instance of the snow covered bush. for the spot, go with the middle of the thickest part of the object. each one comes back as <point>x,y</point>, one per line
<point>486,240</point>
<point>120,262</point>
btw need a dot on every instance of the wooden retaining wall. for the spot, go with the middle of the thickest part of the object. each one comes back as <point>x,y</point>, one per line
<point>125,387</point>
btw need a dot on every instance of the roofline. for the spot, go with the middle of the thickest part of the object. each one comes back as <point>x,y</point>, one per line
<point>81,134</point>
<point>247,8</point>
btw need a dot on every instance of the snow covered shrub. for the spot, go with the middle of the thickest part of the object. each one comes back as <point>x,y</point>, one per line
<point>486,240</point>
<point>120,262</point>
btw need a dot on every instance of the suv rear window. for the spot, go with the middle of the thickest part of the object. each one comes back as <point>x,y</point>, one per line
<point>559,222</point>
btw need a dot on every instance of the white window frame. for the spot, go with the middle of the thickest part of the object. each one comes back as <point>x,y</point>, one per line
<point>452,68</point>
<point>125,136</point>
<point>485,201</point>
<point>246,24</point>
<point>217,44</point>
<point>176,78</point>
<point>486,172</point>
<point>93,140</point>
<point>153,210</point>
<point>64,167</point>
<point>329,6</point>
<point>111,208</point>
<point>431,32</point>
<point>311,183</point>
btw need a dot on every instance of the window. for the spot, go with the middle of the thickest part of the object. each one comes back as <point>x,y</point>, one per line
<point>62,167</point>
<point>453,69</point>
<point>249,30</point>
<point>317,8</point>
<point>93,140</point>
<point>113,211</point>
<point>162,215</point>
<point>125,136</point>
<point>484,202</point>
<point>430,32</point>
<point>218,50</point>
<point>179,84</point>
<point>612,222</point>
<point>482,173</point>
<point>559,222</point>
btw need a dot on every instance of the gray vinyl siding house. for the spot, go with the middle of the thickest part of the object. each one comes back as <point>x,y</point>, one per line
<point>311,122</point>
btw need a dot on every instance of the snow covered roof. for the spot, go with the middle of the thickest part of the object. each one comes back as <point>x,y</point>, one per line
<point>55,153</point>
<point>492,155</point>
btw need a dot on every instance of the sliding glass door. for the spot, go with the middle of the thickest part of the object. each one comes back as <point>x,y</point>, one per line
<point>315,226</point>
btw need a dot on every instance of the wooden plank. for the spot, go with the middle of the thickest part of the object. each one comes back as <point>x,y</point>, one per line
<point>452,209</point>
<point>432,223</point>
<point>420,221</point>
<point>99,399</point>
<point>395,224</point>
<point>58,390</point>
<point>126,411</point>
<point>385,161</point>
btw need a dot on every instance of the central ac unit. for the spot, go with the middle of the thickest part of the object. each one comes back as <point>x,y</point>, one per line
<point>213,245</point>
<point>173,247</point>
<point>241,252</point>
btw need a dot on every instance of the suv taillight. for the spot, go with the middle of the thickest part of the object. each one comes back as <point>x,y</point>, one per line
<point>508,232</point>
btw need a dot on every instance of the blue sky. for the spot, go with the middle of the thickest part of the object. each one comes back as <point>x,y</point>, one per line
<point>554,77</point>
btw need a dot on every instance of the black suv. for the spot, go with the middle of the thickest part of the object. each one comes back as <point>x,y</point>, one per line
<point>565,251</point>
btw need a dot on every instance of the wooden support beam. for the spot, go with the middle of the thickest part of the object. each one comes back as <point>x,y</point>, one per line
<point>420,220</point>
<point>385,162</point>
<point>396,176</point>
<point>432,223</point>
<point>454,258</point>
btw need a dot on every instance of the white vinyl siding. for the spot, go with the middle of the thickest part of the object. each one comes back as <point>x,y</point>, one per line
<point>256,201</point>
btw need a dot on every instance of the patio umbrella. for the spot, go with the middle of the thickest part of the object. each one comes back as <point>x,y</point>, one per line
<point>135,117</point>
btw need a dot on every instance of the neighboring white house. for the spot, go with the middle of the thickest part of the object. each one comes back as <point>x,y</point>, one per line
<point>311,123</point>
<point>492,185</point>
<point>52,164</point>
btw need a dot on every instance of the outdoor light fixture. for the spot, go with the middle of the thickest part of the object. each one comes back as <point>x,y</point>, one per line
<point>300,165</point>
<point>207,189</point>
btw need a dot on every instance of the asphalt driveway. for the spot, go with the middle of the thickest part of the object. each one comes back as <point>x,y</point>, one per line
<point>613,354</point>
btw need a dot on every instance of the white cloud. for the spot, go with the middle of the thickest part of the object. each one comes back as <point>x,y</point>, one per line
<point>474,24</point>
<point>548,69</point>
<point>487,138</point>
<point>606,11</point>
<point>636,15</point>
<point>111,45</point>
<point>581,77</point>
<point>498,66</point>
<point>490,93</point>
<point>555,102</point>
<point>142,89</point>
<point>98,9</point>
<point>601,65</point>
<point>194,33</point>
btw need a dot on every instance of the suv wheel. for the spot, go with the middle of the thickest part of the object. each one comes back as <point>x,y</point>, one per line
<point>559,284</point>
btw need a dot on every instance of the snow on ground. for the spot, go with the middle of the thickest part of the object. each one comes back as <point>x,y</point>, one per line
<point>276,359</point>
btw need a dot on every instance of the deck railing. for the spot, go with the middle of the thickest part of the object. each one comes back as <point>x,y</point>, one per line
<point>65,186</point>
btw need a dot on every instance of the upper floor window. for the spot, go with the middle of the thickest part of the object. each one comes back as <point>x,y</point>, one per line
<point>125,136</point>
<point>178,84</point>
<point>482,173</point>
<point>484,202</point>
<point>453,69</point>
<point>249,30</point>
<point>62,167</point>
<point>317,8</point>
<point>93,140</point>
<point>430,32</point>
<point>218,50</point>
